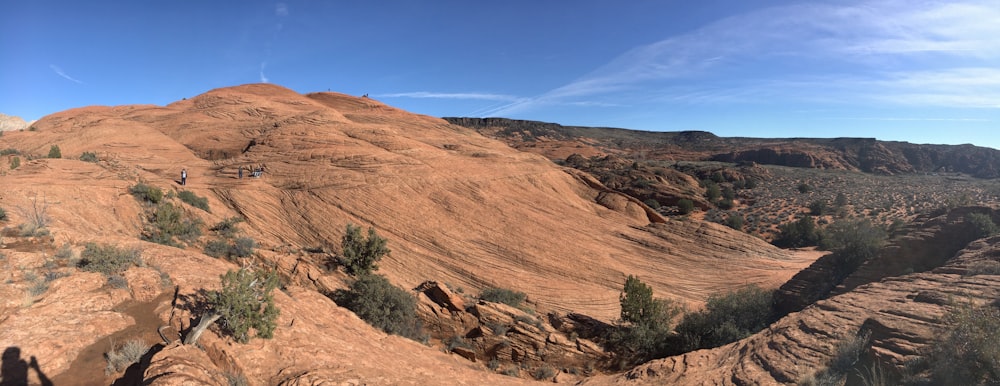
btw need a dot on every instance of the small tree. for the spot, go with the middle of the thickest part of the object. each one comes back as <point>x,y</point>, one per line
<point>54,152</point>
<point>982,225</point>
<point>244,302</point>
<point>686,206</point>
<point>853,241</point>
<point>638,305</point>
<point>359,255</point>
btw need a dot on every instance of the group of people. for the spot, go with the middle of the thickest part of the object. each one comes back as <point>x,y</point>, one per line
<point>255,172</point>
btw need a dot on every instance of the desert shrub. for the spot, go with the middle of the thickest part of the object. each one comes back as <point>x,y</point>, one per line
<point>841,199</point>
<point>65,252</point>
<point>967,352</point>
<point>169,222</point>
<point>9,151</point>
<point>981,225</point>
<point>728,193</point>
<point>88,156</point>
<point>804,188</point>
<point>108,259</point>
<point>817,208</point>
<point>726,204</point>
<point>118,281</point>
<point>853,242</point>
<point>36,216</point>
<point>194,200</point>
<point>3,215</point>
<point>502,295</point>
<point>846,356</point>
<point>217,248</point>
<point>227,228</point>
<point>245,302</point>
<point>645,330</point>
<point>712,191</point>
<point>727,317</point>
<point>652,203</point>
<point>512,371</point>
<point>544,373</point>
<point>686,206</point>
<point>223,248</point>
<point>146,193</point>
<point>983,267</point>
<point>382,305</point>
<point>123,356</point>
<point>15,162</point>
<point>54,152</point>
<point>359,254</point>
<point>735,221</point>
<point>797,234</point>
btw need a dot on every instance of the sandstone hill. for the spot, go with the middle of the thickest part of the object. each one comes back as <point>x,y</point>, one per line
<point>457,208</point>
<point>11,123</point>
<point>861,154</point>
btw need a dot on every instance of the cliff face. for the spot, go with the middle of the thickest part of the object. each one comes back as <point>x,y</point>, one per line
<point>863,154</point>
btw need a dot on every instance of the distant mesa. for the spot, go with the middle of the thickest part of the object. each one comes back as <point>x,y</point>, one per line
<point>858,154</point>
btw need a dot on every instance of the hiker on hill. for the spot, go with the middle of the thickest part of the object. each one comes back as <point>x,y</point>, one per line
<point>184,176</point>
<point>241,172</point>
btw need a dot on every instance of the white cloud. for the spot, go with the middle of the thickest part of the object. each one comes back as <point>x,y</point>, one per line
<point>63,74</point>
<point>281,10</point>
<point>263,78</point>
<point>938,53</point>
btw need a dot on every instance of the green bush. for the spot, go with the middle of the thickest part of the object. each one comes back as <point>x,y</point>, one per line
<point>3,215</point>
<point>194,200</point>
<point>88,156</point>
<point>54,152</point>
<point>544,373</point>
<point>245,302</point>
<point>502,295</point>
<point>645,330</point>
<point>804,188</point>
<point>817,208</point>
<point>169,222</point>
<point>853,242</point>
<point>967,352</point>
<point>108,259</point>
<point>686,206</point>
<point>227,228</point>
<point>797,234</point>
<point>147,193</point>
<point>359,255</point>
<point>382,305</point>
<point>9,151</point>
<point>15,162</point>
<point>735,221</point>
<point>712,191</point>
<point>223,248</point>
<point>727,317</point>
<point>982,225</point>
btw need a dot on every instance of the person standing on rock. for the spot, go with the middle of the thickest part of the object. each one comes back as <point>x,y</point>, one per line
<point>184,177</point>
<point>240,172</point>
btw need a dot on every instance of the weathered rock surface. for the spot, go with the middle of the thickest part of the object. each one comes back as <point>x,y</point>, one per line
<point>902,313</point>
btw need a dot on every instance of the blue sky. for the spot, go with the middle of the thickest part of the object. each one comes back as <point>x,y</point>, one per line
<point>919,71</point>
